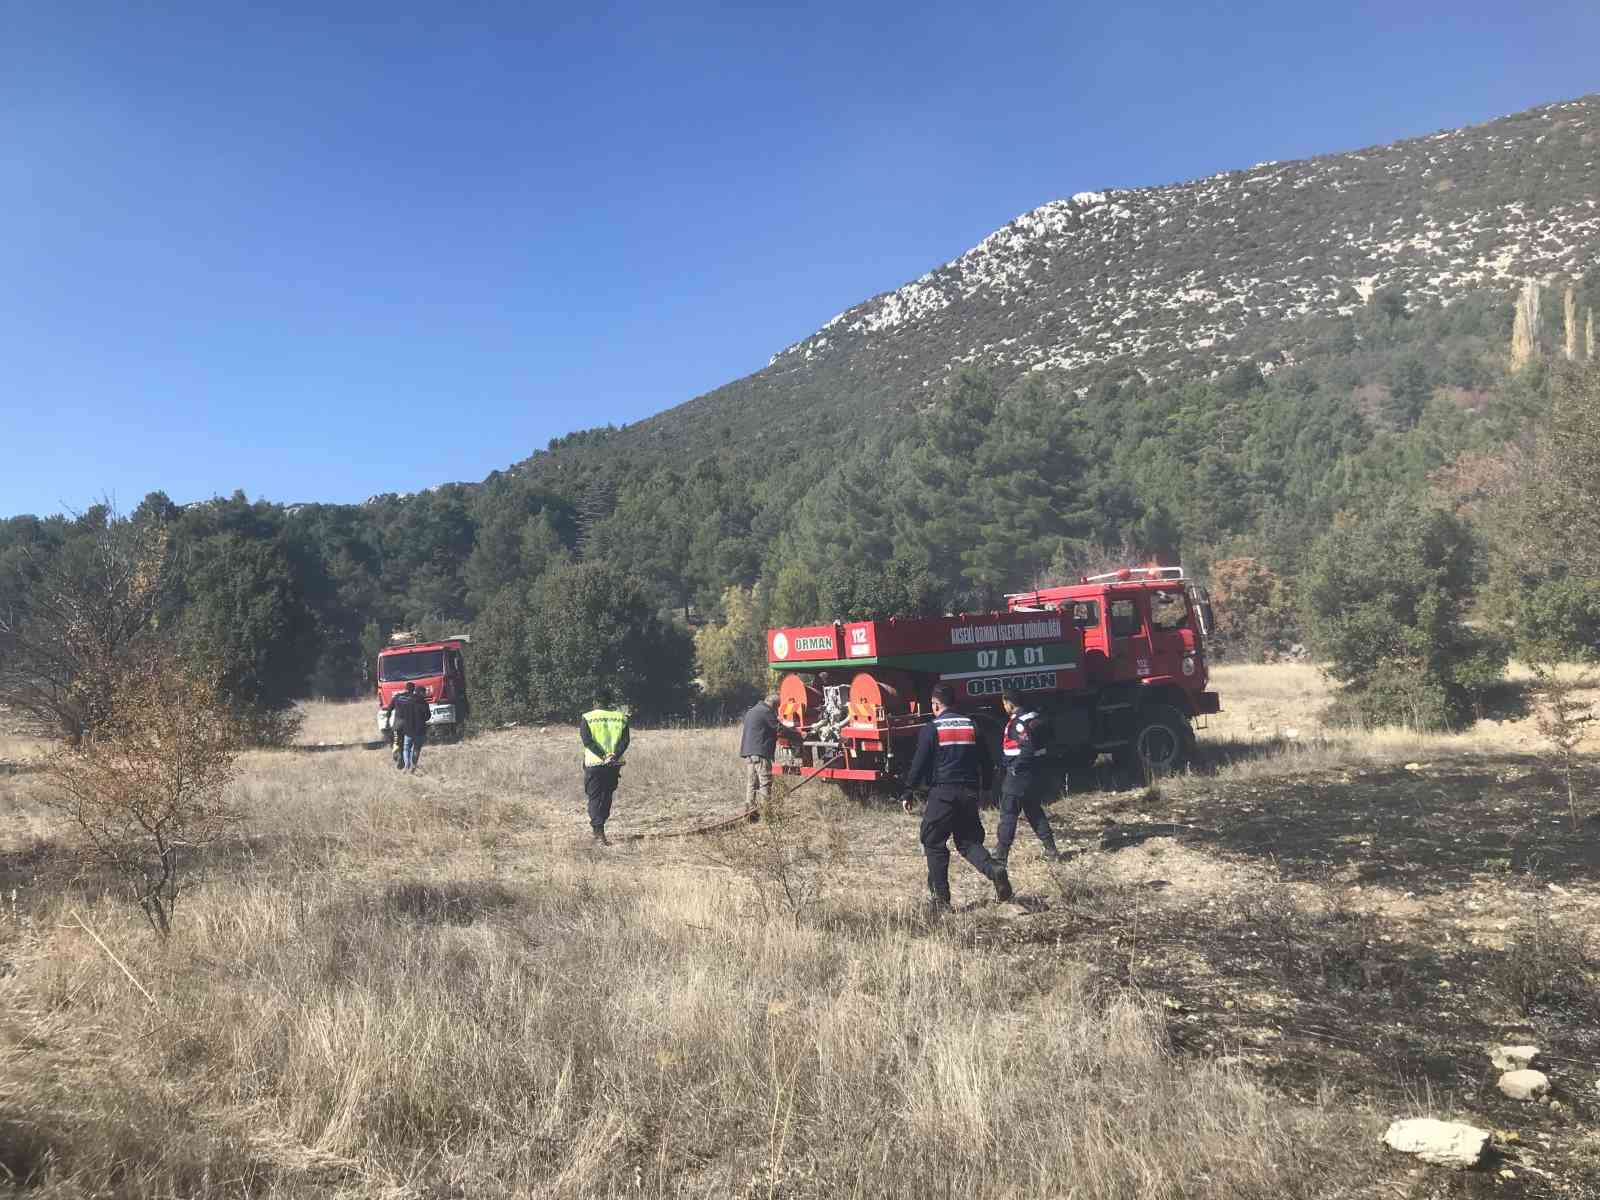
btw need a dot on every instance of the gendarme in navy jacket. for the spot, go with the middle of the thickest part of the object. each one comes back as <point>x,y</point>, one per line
<point>1024,741</point>
<point>950,751</point>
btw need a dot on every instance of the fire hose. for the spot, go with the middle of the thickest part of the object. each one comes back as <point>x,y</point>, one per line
<point>748,813</point>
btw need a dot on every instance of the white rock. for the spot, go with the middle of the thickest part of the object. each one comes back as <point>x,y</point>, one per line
<point>1524,1084</point>
<point>1513,1058</point>
<point>1443,1143</point>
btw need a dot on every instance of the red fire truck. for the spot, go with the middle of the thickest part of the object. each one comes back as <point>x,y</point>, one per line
<point>1116,661</point>
<point>438,669</point>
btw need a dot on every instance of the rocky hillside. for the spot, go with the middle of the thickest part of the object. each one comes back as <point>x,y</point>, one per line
<point>1163,277</point>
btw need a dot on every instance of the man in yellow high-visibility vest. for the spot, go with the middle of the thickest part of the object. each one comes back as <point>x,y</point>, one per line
<point>604,733</point>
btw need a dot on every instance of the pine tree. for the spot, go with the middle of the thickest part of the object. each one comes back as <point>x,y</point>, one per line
<point>595,505</point>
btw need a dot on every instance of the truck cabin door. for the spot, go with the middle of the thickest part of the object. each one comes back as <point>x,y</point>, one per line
<point>1093,647</point>
<point>1171,637</point>
<point>1130,654</point>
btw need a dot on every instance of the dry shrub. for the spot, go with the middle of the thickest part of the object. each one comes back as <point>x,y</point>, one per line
<point>1562,716</point>
<point>788,855</point>
<point>1548,965</point>
<point>146,787</point>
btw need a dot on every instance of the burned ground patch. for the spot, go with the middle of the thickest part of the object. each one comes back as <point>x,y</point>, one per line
<point>1372,932</point>
<point>1425,830</point>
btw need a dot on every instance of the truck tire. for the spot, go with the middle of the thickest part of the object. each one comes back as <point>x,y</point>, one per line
<point>1161,738</point>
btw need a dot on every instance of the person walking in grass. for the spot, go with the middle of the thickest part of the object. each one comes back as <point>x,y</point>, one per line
<point>758,746</point>
<point>952,758</point>
<point>604,732</point>
<point>397,737</point>
<point>1028,777</point>
<point>413,713</point>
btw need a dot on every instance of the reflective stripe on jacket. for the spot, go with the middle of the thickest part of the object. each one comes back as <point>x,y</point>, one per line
<point>950,750</point>
<point>604,731</point>
<point>1024,741</point>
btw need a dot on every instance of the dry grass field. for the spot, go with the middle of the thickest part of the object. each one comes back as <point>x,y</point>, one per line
<point>433,986</point>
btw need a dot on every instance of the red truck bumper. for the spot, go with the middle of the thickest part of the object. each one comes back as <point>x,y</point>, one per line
<point>852,773</point>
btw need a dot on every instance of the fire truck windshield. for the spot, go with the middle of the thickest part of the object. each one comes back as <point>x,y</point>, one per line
<point>1167,610</point>
<point>418,665</point>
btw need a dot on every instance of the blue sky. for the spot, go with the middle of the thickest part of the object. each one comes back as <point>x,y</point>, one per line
<point>321,251</point>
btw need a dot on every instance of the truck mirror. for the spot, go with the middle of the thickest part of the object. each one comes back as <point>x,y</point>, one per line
<point>1200,602</point>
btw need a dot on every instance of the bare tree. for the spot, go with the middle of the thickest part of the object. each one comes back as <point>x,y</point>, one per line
<point>69,619</point>
<point>144,789</point>
<point>1561,715</point>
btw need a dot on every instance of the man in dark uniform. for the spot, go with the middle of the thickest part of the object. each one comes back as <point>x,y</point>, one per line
<point>604,732</point>
<point>1028,777</point>
<point>758,746</point>
<point>952,757</point>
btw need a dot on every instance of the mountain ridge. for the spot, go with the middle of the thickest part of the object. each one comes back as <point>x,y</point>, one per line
<point>885,309</point>
<point>1156,279</point>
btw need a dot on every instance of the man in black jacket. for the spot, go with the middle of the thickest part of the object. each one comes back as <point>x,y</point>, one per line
<point>1028,777</point>
<point>758,745</point>
<point>397,734</point>
<point>414,712</point>
<point>952,757</point>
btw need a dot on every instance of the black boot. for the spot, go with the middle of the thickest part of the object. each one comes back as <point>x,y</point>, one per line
<point>599,838</point>
<point>1002,884</point>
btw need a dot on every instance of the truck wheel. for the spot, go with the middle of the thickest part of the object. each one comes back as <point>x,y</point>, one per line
<point>1162,738</point>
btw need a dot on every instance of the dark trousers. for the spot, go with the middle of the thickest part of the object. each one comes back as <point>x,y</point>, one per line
<point>599,785</point>
<point>952,812</point>
<point>1025,795</point>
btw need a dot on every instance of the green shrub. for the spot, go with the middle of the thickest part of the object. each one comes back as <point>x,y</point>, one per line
<point>1559,619</point>
<point>1384,596</point>
<point>591,626</point>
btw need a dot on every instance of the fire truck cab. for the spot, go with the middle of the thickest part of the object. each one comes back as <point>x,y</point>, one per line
<point>1143,625</point>
<point>1144,631</point>
<point>439,671</point>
